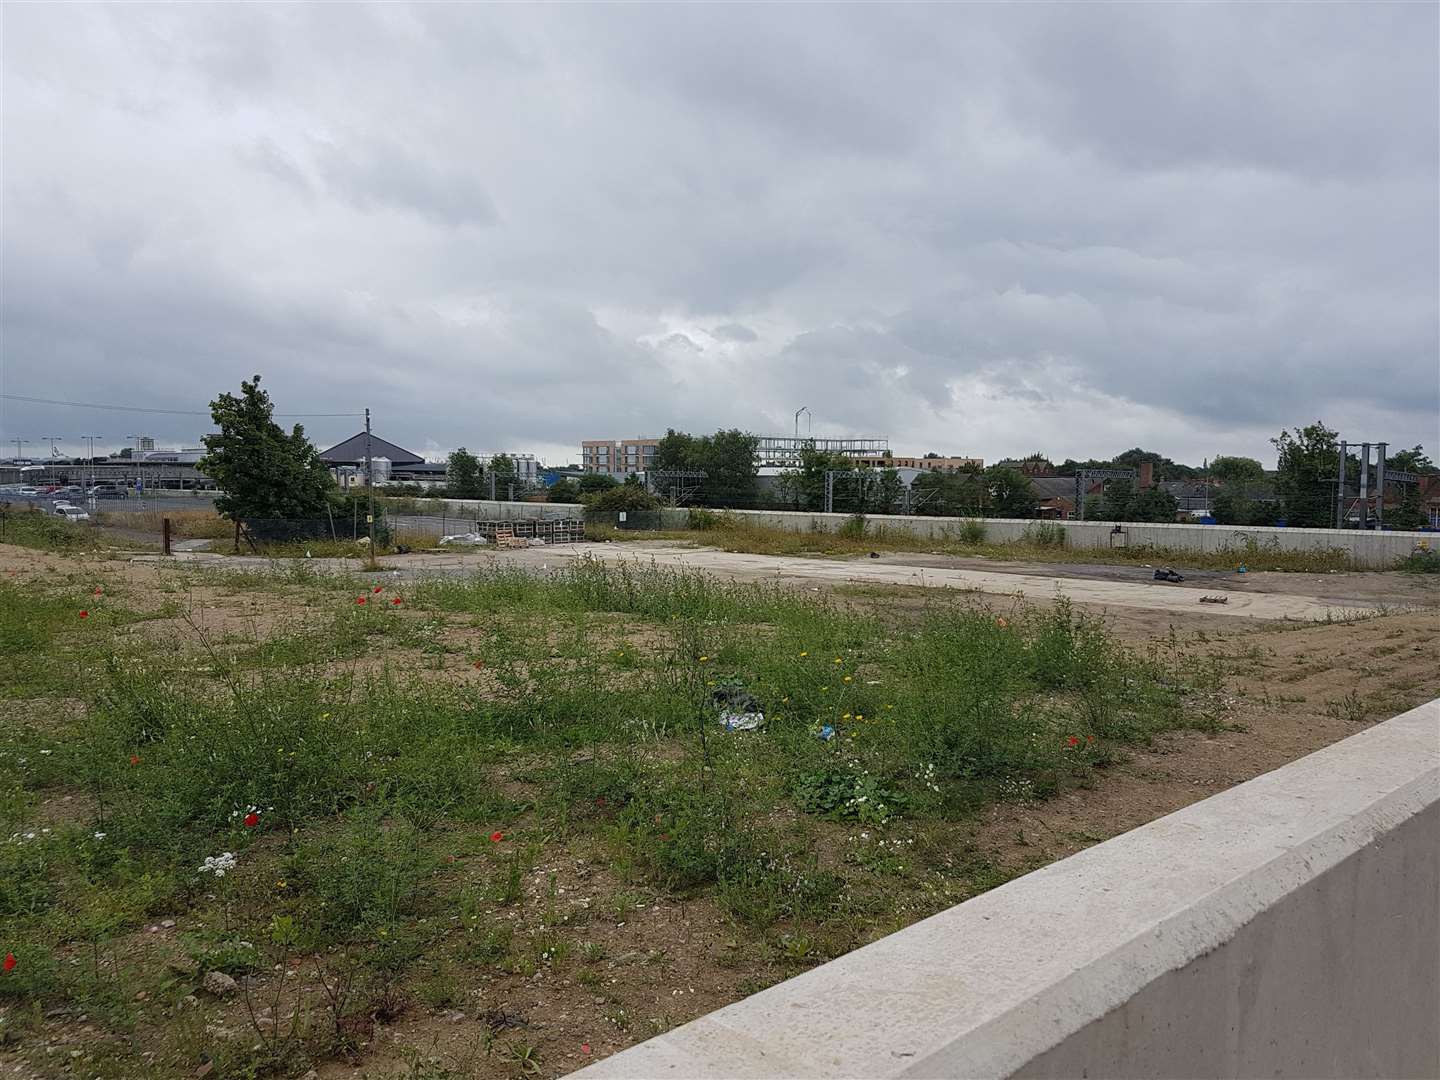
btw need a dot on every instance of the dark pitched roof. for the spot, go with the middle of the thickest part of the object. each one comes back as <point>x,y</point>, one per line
<point>352,450</point>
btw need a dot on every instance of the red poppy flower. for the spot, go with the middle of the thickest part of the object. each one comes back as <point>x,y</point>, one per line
<point>479,664</point>
<point>585,1048</point>
<point>1089,738</point>
<point>378,588</point>
<point>360,600</point>
<point>134,759</point>
<point>99,592</point>
<point>9,961</point>
<point>1072,741</point>
<point>251,820</point>
<point>84,614</point>
<point>396,600</point>
<point>496,836</point>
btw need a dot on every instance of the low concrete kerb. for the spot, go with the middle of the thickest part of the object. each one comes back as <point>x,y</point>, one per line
<point>1289,926</point>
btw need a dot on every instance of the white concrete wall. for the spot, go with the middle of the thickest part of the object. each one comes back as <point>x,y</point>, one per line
<point>1372,550</point>
<point>1288,927</point>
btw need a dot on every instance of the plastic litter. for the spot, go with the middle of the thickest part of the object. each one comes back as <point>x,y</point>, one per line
<point>1240,569</point>
<point>825,734</point>
<point>472,539</point>
<point>1214,599</point>
<point>740,710</point>
<point>1168,575</point>
<point>741,721</point>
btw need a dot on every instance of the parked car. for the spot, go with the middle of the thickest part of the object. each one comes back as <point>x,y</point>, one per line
<point>71,513</point>
<point>70,489</point>
<point>28,491</point>
<point>106,491</point>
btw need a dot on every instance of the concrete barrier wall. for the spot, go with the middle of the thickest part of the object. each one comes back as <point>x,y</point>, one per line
<point>1288,927</point>
<point>1372,550</point>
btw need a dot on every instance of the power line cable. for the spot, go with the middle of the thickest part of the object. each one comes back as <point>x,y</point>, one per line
<point>167,412</point>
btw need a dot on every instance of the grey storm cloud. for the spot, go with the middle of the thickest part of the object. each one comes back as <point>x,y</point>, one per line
<point>980,229</point>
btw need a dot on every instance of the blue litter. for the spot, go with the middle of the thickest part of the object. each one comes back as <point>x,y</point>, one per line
<point>826,733</point>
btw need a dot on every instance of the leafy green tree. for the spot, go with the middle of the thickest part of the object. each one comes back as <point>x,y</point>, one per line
<point>563,491</point>
<point>1236,471</point>
<point>625,497</point>
<point>1010,494</point>
<point>1410,513</point>
<point>594,483</point>
<point>462,474</point>
<point>1304,481</point>
<point>727,458</point>
<point>1154,504</point>
<point>1115,501</point>
<point>677,450</point>
<point>889,491</point>
<point>260,470</point>
<point>1413,460</point>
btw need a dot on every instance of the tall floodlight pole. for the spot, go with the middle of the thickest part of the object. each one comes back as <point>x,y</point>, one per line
<point>1340,487</point>
<point>1365,485</point>
<point>370,492</point>
<point>52,440</point>
<point>91,440</point>
<point>1380,483</point>
<point>797,420</point>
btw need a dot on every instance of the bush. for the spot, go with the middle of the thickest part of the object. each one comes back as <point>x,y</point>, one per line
<point>972,532</point>
<point>1044,535</point>
<point>625,497</point>
<point>1420,561</point>
<point>854,527</point>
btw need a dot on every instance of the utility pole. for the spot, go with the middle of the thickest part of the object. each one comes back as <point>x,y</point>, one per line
<point>370,493</point>
<point>829,491</point>
<point>18,452</point>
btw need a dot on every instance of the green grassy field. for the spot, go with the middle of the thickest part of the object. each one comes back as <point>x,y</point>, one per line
<point>407,800</point>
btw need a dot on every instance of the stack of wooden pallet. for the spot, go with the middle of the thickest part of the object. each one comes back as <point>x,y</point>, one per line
<point>505,537</point>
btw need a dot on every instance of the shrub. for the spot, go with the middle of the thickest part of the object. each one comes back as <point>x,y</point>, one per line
<point>1044,535</point>
<point>854,527</point>
<point>972,532</point>
<point>1420,561</point>
<point>625,497</point>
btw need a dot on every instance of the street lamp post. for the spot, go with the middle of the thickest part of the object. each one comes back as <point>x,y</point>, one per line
<point>91,459</point>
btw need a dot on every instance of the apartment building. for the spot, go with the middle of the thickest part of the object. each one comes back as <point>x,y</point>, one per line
<point>617,457</point>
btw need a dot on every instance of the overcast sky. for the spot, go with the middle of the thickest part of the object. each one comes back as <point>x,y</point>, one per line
<point>973,229</point>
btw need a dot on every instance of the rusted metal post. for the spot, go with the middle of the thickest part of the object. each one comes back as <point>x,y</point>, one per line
<point>165,535</point>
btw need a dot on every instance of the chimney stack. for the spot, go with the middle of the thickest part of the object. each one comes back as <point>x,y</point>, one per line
<point>1147,475</point>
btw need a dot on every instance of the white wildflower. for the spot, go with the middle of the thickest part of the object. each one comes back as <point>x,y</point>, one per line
<point>219,865</point>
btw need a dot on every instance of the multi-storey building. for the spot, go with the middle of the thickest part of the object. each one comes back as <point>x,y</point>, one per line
<point>617,457</point>
<point>931,464</point>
